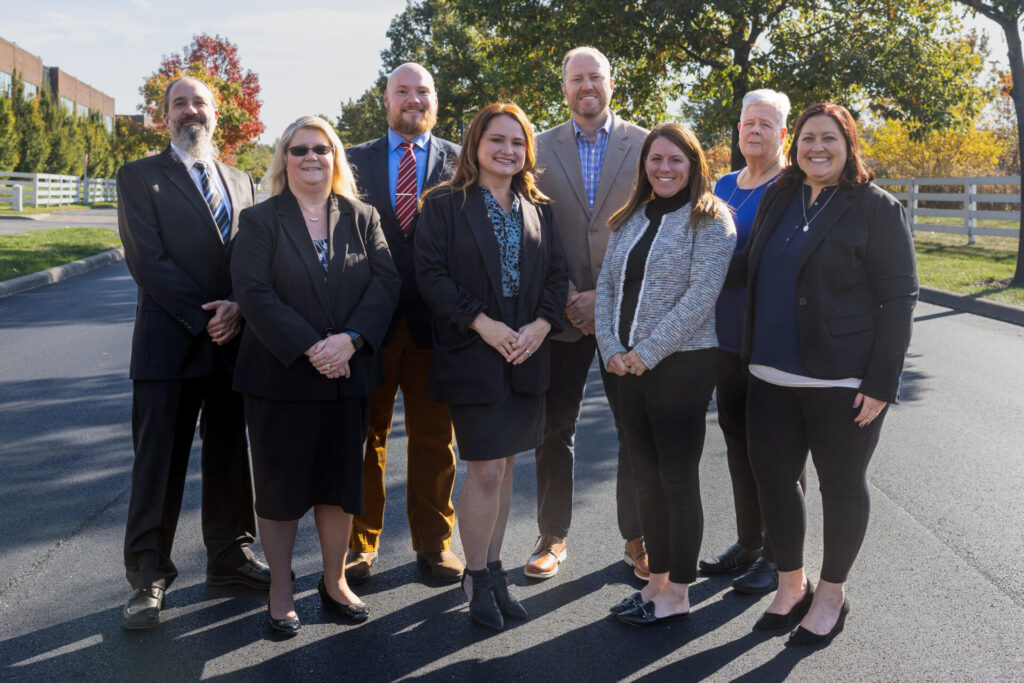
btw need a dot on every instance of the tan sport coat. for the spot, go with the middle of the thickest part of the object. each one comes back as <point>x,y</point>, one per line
<point>584,233</point>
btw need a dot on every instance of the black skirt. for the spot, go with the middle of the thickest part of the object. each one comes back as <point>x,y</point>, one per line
<point>306,453</point>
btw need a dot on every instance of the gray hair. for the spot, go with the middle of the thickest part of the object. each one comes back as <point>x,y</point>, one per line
<point>176,81</point>
<point>586,50</point>
<point>776,100</point>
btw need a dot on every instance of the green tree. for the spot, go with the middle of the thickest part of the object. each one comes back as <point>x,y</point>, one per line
<point>254,159</point>
<point>133,140</point>
<point>98,145</point>
<point>895,149</point>
<point>66,145</point>
<point>363,119</point>
<point>34,144</point>
<point>10,142</point>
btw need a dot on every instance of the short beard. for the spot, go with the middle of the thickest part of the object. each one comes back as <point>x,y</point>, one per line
<point>197,141</point>
<point>399,125</point>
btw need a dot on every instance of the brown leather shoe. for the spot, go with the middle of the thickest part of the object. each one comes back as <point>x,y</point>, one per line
<point>548,553</point>
<point>636,557</point>
<point>443,566</point>
<point>357,566</point>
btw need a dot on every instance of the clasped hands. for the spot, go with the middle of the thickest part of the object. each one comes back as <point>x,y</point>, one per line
<point>626,364</point>
<point>226,321</point>
<point>514,347</point>
<point>579,310</point>
<point>331,354</point>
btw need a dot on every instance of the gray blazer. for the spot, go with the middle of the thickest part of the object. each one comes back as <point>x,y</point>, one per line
<point>683,276</point>
<point>584,233</point>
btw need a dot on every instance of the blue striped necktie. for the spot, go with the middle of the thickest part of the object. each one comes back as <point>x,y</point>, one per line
<point>220,211</point>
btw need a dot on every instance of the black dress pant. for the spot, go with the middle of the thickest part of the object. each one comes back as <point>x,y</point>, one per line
<point>783,423</point>
<point>570,365</point>
<point>164,416</point>
<point>662,414</point>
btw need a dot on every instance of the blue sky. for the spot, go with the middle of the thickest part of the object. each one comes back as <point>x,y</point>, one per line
<point>309,58</point>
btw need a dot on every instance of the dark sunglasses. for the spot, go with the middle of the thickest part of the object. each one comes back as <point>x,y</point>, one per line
<point>303,150</point>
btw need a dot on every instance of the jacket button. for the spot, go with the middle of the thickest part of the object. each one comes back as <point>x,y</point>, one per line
<point>802,301</point>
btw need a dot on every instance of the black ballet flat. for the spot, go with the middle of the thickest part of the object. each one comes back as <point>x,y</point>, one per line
<point>644,616</point>
<point>357,612</point>
<point>803,638</point>
<point>770,621</point>
<point>627,604</point>
<point>288,626</point>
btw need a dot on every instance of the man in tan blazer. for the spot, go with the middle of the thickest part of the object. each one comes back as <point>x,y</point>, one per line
<point>589,164</point>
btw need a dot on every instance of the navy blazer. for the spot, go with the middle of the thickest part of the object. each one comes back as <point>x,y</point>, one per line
<point>174,250</point>
<point>458,268</point>
<point>290,303</point>
<point>369,162</point>
<point>856,289</point>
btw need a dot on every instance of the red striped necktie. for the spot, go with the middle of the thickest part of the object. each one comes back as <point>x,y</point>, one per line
<point>405,190</point>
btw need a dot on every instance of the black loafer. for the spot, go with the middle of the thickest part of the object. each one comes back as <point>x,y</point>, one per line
<point>357,612</point>
<point>143,609</point>
<point>644,616</point>
<point>735,559</point>
<point>802,637</point>
<point>252,574</point>
<point>761,578</point>
<point>627,604</point>
<point>288,626</point>
<point>771,621</point>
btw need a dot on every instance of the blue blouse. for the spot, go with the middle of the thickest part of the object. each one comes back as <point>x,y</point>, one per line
<point>508,228</point>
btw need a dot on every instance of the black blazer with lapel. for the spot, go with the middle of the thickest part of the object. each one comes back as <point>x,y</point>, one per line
<point>370,164</point>
<point>856,289</point>
<point>290,304</point>
<point>459,272</point>
<point>174,251</point>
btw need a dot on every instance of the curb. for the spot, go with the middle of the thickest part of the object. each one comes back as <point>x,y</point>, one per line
<point>25,217</point>
<point>1007,313</point>
<point>59,273</point>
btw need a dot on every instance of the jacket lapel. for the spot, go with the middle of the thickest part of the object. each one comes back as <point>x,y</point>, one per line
<point>823,224</point>
<point>295,228</point>
<point>339,214</point>
<point>569,158</point>
<point>179,176</point>
<point>475,213</point>
<point>381,193</point>
<point>235,192</point>
<point>614,156</point>
<point>529,254</point>
<point>778,199</point>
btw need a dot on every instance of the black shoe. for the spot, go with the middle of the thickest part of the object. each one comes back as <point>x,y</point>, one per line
<point>644,616</point>
<point>761,578</point>
<point>483,608</point>
<point>143,609</point>
<point>358,612</point>
<point>802,637</point>
<point>289,626</point>
<point>627,604</point>
<point>251,574</point>
<point>770,621</point>
<point>508,605</point>
<point>735,559</point>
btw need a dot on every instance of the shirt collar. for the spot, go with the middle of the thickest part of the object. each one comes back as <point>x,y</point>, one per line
<point>187,158</point>
<point>394,140</point>
<point>606,126</point>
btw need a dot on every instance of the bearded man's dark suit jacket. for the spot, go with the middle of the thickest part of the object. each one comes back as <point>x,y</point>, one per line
<point>174,251</point>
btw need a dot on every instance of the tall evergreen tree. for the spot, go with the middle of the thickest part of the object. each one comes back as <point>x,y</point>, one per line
<point>10,141</point>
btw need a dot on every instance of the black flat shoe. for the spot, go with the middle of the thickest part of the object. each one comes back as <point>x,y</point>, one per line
<point>735,559</point>
<point>761,578</point>
<point>288,626</point>
<point>357,612</point>
<point>770,621</point>
<point>251,574</point>
<point>644,616</point>
<point>483,607</point>
<point>143,609</point>
<point>627,604</point>
<point>802,637</point>
<point>508,605</point>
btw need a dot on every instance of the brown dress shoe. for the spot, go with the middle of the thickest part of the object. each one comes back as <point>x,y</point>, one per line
<point>549,552</point>
<point>357,567</point>
<point>636,557</point>
<point>443,566</point>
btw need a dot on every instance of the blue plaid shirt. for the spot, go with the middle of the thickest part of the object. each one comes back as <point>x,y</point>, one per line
<point>592,156</point>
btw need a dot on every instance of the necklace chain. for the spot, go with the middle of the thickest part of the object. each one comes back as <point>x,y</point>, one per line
<point>803,207</point>
<point>750,192</point>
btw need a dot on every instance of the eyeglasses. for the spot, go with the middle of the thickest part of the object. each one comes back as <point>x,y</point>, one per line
<point>303,150</point>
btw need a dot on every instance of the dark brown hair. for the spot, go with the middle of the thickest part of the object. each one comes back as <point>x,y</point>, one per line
<point>855,172</point>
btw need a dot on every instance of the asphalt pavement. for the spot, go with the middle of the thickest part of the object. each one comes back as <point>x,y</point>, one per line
<point>937,592</point>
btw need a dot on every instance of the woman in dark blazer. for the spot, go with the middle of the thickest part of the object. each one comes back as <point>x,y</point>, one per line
<point>317,286</point>
<point>489,264</point>
<point>831,281</point>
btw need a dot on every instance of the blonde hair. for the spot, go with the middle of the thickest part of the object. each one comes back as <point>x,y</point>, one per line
<point>343,183</point>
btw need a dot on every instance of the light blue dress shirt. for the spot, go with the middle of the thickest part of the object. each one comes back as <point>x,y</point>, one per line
<point>395,152</point>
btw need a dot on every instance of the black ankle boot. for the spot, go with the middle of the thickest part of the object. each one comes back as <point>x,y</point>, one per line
<point>483,609</point>
<point>508,605</point>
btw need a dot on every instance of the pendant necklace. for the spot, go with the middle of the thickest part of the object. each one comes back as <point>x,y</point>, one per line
<point>803,207</point>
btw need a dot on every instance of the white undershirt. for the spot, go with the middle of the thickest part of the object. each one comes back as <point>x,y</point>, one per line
<point>781,378</point>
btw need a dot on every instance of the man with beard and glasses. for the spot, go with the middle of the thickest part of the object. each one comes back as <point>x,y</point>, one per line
<point>392,172</point>
<point>589,163</point>
<point>177,215</point>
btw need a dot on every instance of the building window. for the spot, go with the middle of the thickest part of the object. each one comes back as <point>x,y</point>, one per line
<point>83,110</point>
<point>108,122</point>
<point>68,105</point>
<point>30,91</point>
<point>5,82</point>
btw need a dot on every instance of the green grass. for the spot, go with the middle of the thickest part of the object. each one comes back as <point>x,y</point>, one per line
<point>29,252</point>
<point>29,210</point>
<point>982,270</point>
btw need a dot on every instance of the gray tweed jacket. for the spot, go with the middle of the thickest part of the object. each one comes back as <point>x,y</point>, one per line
<point>683,277</point>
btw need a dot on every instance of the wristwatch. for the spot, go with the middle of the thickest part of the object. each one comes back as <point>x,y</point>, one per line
<point>357,339</point>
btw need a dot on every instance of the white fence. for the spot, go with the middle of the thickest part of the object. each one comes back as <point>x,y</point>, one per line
<point>920,195</point>
<point>47,189</point>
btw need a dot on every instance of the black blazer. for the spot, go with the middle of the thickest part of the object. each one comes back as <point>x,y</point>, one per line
<point>370,164</point>
<point>459,272</point>
<point>289,304</point>
<point>856,289</point>
<point>174,251</point>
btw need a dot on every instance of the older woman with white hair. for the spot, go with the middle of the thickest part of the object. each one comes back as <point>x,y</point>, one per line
<point>317,286</point>
<point>762,129</point>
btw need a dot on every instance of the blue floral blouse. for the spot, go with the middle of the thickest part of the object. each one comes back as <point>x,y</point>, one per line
<point>508,228</point>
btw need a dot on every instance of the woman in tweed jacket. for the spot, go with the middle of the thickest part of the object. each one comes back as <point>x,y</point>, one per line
<point>666,261</point>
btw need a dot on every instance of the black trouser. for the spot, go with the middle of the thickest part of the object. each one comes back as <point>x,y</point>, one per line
<point>782,424</point>
<point>570,364</point>
<point>164,416</point>
<point>662,414</point>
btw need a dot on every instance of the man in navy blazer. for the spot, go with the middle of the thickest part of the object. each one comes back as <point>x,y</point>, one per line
<point>411,105</point>
<point>177,214</point>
